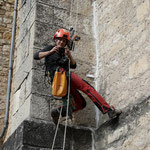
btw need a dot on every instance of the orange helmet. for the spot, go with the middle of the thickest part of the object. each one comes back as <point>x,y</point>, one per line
<point>61,33</point>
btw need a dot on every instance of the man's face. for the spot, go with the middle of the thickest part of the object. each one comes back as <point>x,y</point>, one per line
<point>61,42</point>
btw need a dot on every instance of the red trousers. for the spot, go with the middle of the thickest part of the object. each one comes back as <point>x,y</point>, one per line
<point>78,83</point>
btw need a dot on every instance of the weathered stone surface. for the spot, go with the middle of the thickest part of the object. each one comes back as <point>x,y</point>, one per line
<point>139,67</point>
<point>23,112</point>
<point>83,7</point>
<point>23,72</point>
<point>5,38</point>
<point>65,4</point>
<point>43,34</point>
<point>127,131</point>
<point>61,17</point>
<point>2,11</point>
<point>26,9</point>
<point>38,81</point>
<point>15,144</point>
<point>45,14</point>
<point>142,10</point>
<point>40,107</point>
<point>51,2</point>
<point>123,66</point>
<point>123,59</point>
<point>25,27</point>
<point>37,135</point>
<point>23,51</point>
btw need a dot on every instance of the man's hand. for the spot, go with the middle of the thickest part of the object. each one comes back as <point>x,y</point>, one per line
<point>50,52</point>
<point>56,49</point>
<point>67,52</point>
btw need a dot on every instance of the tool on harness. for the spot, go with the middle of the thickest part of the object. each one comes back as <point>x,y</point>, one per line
<point>59,85</point>
<point>73,37</point>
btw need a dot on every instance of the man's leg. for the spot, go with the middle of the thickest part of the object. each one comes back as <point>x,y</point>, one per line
<point>79,84</point>
<point>97,99</point>
<point>78,101</point>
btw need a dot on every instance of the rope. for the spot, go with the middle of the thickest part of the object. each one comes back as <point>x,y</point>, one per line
<point>56,130</point>
<point>66,122</point>
<point>70,13</point>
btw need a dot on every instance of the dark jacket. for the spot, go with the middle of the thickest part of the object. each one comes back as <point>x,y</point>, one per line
<point>54,60</point>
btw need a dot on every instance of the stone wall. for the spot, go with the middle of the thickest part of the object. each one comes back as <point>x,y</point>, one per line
<point>124,36</point>
<point>124,64</point>
<point>38,20</point>
<point>6,18</point>
<point>38,135</point>
<point>114,38</point>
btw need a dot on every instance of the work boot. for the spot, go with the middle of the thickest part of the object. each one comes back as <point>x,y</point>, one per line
<point>55,115</point>
<point>113,113</point>
<point>64,119</point>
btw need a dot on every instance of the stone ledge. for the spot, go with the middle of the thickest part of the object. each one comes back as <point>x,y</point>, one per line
<point>116,133</point>
<point>35,134</point>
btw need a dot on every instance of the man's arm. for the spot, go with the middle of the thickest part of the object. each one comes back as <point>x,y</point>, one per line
<point>45,52</point>
<point>72,61</point>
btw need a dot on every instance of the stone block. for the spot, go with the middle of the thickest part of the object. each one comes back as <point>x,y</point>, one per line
<point>39,83</point>
<point>115,76</point>
<point>2,11</point>
<point>43,34</point>
<point>117,134</point>
<point>2,42</point>
<point>35,135</point>
<point>23,113</point>
<point>23,51</point>
<point>25,27</point>
<point>31,17</point>
<point>22,96</point>
<point>44,13</point>
<point>7,20</point>
<point>24,11</point>
<point>31,39</point>
<point>61,17</point>
<point>65,4</point>
<point>84,49</point>
<point>139,67</point>
<point>116,47</point>
<point>23,72</point>
<point>81,23</point>
<point>83,7</point>
<point>38,64</point>
<point>46,2</point>
<point>7,35</point>
<point>14,144</point>
<point>40,108</point>
<point>28,84</point>
<point>1,35</point>
<point>2,28</point>
<point>142,10</point>
<point>6,48</point>
<point>32,3</point>
<point>16,102</point>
